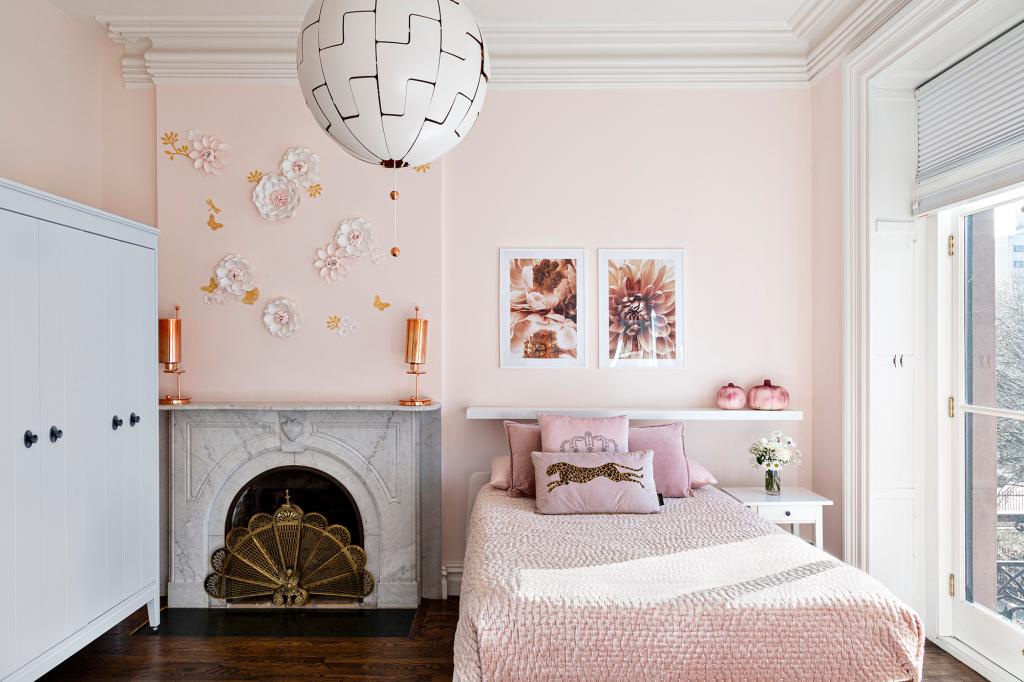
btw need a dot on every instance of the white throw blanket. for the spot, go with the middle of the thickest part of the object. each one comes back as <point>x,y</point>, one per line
<point>704,590</point>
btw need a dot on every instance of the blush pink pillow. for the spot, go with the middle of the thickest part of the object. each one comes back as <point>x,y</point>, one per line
<point>500,469</point>
<point>571,434</point>
<point>671,469</point>
<point>523,439</point>
<point>595,482</point>
<point>699,475</point>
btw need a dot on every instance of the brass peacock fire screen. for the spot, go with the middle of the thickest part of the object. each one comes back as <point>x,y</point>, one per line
<point>288,556</point>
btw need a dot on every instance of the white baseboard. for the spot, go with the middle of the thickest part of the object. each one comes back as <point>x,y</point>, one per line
<point>973,660</point>
<point>451,580</point>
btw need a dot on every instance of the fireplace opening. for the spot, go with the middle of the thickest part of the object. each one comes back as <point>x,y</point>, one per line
<point>310,489</point>
<point>304,544</point>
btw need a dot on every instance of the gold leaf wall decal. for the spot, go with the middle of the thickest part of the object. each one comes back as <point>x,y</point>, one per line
<point>170,139</point>
<point>255,176</point>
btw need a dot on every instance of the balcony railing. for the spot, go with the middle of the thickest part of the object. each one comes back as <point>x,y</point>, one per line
<point>1010,589</point>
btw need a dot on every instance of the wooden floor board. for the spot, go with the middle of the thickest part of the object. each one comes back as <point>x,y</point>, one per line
<point>424,656</point>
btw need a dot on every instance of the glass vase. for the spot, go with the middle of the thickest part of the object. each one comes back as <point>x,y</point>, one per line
<point>773,482</point>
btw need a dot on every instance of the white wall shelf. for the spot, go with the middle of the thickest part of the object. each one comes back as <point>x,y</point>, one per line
<point>684,414</point>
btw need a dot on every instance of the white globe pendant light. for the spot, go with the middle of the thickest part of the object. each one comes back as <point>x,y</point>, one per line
<point>395,82</point>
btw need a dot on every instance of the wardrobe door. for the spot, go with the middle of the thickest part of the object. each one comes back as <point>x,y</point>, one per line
<point>21,533</point>
<point>88,320</point>
<point>58,265</point>
<point>140,398</point>
<point>116,420</point>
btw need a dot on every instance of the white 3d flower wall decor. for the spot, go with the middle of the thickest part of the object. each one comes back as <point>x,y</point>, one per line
<point>281,317</point>
<point>233,276</point>
<point>207,153</point>
<point>354,239</point>
<point>277,195</point>
<point>343,325</point>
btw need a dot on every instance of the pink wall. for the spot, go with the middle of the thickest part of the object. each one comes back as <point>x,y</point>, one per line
<point>228,354</point>
<point>69,127</point>
<point>723,174</point>
<point>827,297</point>
<point>727,175</point>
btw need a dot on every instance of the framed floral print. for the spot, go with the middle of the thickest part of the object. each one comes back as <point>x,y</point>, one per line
<point>641,307</point>
<point>543,304</point>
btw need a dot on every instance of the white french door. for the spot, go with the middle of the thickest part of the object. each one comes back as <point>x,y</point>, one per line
<point>988,592</point>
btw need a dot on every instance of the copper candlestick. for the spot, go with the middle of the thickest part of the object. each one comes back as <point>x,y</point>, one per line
<point>415,356</point>
<point>170,355</point>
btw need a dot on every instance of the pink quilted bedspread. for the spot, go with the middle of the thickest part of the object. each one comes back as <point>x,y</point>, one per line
<point>704,590</point>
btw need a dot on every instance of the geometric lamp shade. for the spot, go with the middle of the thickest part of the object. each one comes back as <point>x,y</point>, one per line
<point>395,82</point>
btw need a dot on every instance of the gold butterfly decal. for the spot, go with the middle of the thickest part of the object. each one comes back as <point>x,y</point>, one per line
<point>251,296</point>
<point>212,206</point>
<point>333,322</point>
<point>211,287</point>
<point>213,224</point>
<point>379,304</point>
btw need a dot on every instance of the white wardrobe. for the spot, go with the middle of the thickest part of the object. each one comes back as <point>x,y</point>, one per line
<point>78,426</point>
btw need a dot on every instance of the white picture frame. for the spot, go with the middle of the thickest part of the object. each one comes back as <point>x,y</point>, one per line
<point>516,322</point>
<point>617,355</point>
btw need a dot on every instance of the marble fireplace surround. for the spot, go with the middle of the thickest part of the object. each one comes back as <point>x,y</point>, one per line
<point>388,457</point>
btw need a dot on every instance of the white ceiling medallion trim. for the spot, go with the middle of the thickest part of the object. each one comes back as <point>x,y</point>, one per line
<point>261,49</point>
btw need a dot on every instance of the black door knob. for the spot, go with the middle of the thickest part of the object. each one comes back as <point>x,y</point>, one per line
<point>134,419</point>
<point>30,439</point>
<point>788,513</point>
<point>116,422</point>
<point>55,434</point>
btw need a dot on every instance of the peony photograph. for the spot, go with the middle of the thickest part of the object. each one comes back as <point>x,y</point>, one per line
<point>542,308</point>
<point>641,308</point>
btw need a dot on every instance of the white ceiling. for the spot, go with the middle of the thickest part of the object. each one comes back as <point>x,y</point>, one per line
<point>487,11</point>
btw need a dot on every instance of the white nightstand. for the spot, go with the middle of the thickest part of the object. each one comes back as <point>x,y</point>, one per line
<point>794,506</point>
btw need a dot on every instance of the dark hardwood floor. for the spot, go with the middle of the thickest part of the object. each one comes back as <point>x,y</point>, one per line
<point>424,656</point>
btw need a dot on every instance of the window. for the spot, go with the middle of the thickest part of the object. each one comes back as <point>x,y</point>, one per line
<point>993,412</point>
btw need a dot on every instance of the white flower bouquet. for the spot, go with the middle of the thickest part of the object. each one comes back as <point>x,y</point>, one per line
<point>772,454</point>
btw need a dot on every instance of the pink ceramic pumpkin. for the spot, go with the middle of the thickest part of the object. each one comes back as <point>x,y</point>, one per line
<point>767,396</point>
<point>731,397</point>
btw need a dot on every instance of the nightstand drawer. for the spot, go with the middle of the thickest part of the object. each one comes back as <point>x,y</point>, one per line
<point>797,513</point>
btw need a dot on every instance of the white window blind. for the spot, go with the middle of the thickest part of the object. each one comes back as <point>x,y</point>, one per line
<point>972,110</point>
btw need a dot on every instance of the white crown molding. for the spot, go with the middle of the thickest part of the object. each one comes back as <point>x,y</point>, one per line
<point>851,33</point>
<point>261,49</point>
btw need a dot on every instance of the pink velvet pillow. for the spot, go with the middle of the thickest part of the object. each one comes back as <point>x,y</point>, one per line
<point>699,475</point>
<point>595,483</point>
<point>522,440</point>
<point>572,434</point>
<point>671,470</point>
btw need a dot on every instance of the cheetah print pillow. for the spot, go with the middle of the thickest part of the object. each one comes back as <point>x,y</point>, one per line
<point>595,483</point>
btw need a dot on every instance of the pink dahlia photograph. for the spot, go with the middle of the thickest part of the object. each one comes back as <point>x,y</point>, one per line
<point>641,309</point>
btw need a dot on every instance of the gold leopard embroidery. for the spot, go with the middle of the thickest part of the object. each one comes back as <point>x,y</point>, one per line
<point>570,473</point>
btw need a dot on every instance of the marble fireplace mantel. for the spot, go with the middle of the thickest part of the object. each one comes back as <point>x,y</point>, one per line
<point>387,456</point>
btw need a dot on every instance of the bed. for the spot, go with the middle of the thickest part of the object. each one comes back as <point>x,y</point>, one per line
<point>704,590</point>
